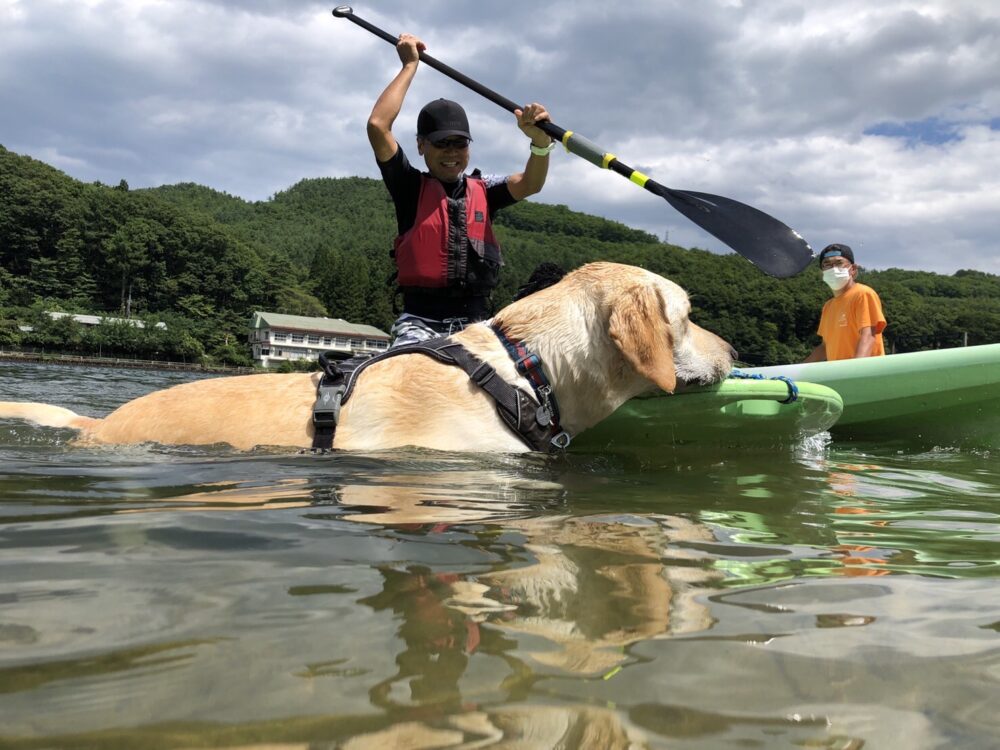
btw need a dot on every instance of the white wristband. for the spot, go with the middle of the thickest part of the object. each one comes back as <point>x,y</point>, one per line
<point>543,150</point>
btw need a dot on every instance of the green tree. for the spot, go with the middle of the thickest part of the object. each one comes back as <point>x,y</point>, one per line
<point>10,333</point>
<point>187,348</point>
<point>293,300</point>
<point>205,260</point>
<point>346,287</point>
<point>130,250</point>
<point>43,278</point>
<point>73,282</point>
<point>195,306</point>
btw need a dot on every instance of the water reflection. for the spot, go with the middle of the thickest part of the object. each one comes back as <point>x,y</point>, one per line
<point>549,574</point>
<point>178,599</point>
<point>585,727</point>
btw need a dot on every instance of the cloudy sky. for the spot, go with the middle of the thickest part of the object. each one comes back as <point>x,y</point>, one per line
<point>871,123</point>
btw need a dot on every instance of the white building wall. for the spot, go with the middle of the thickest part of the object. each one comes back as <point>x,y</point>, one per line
<point>283,346</point>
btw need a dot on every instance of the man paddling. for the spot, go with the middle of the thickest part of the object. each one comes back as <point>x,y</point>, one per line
<point>447,256</point>
<point>852,322</point>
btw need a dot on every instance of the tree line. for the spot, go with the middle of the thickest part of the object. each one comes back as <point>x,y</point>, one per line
<point>202,261</point>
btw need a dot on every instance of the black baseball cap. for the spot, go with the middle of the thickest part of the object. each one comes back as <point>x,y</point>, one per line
<point>836,249</point>
<point>442,118</point>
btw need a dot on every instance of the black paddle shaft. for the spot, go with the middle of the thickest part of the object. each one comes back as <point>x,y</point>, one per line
<point>766,242</point>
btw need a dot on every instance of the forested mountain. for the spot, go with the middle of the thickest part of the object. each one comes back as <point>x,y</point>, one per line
<point>204,260</point>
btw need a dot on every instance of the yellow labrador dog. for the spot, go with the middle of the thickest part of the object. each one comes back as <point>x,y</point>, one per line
<point>605,333</point>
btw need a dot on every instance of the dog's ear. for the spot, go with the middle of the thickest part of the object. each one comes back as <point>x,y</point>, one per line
<point>640,330</point>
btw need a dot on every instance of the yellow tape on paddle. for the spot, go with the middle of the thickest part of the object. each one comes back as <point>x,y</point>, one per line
<point>639,178</point>
<point>565,139</point>
<point>608,158</point>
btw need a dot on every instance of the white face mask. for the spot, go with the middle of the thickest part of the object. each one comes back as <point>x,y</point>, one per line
<point>836,278</point>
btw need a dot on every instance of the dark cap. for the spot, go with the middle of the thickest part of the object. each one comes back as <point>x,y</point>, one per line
<point>442,118</point>
<point>836,249</point>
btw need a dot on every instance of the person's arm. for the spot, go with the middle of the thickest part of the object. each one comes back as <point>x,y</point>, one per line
<point>817,355</point>
<point>865,343</point>
<point>531,180</point>
<point>390,102</point>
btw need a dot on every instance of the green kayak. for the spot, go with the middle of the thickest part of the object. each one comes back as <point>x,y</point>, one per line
<point>944,397</point>
<point>747,413</point>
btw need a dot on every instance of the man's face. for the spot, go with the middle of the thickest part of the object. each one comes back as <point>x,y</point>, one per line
<point>834,266</point>
<point>446,159</point>
<point>837,261</point>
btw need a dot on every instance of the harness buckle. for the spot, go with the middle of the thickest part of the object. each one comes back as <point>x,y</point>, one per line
<point>482,374</point>
<point>545,396</point>
<point>329,365</point>
<point>325,418</point>
<point>562,440</point>
<point>326,410</point>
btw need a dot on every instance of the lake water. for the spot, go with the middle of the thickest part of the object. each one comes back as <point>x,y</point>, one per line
<point>815,597</point>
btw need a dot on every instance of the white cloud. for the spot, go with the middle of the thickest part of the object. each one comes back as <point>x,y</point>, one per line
<point>768,103</point>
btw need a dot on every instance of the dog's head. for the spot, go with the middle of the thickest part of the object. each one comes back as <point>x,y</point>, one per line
<point>640,316</point>
<point>649,324</point>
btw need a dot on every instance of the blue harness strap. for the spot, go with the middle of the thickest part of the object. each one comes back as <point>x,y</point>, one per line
<point>529,366</point>
<point>793,390</point>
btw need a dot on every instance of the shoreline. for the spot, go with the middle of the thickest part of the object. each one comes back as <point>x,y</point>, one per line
<point>121,363</point>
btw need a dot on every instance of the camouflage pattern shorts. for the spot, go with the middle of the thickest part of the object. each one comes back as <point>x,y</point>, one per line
<point>412,329</point>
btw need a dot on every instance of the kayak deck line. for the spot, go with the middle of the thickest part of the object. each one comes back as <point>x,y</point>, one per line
<point>793,390</point>
<point>943,396</point>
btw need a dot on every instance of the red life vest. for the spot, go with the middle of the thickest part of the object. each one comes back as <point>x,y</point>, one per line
<point>434,254</point>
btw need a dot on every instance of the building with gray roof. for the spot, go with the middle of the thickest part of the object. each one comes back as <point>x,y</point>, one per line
<point>276,338</point>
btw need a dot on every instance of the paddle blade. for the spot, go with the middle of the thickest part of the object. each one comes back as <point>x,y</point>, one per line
<point>775,248</point>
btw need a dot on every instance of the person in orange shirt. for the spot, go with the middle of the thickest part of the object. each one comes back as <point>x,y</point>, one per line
<point>852,322</point>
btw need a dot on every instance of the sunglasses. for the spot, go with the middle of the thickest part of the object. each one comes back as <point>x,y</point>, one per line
<point>457,142</point>
<point>835,263</point>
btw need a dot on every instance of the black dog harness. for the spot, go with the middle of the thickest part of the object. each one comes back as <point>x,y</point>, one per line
<point>535,422</point>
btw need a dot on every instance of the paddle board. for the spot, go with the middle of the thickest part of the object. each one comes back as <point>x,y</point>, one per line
<point>945,397</point>
<point>747,413</point>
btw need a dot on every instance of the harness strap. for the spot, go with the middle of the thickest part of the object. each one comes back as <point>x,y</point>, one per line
<point>326,409</point>
<point>515,407</point>
<point>529,365</point>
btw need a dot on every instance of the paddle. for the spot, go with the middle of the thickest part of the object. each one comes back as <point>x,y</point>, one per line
<point>763,240</point>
